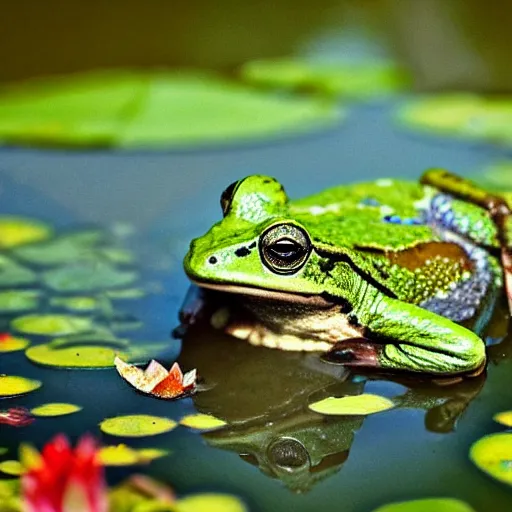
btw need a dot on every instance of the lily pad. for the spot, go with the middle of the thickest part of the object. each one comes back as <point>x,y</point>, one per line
<point>352,405</point>
<point>210,502</point>
<point>117,255</point>
<point>15,231</point>
<point>10,343</point>
<point>82,304</point>
<point>13,301</point>
<point>128,109</point>
<point>12,385</point>
<point>51,325</point>
<point>496,177</point>
<point>86,277</point>
<point>427,505</point>
<point>122,455</point>
<point>137,425</point>
<point>360,80</point>
<point>11,467</point>
<point>13,274</point>
<point>202,422</point>
<point>127,293</point>
<point>77,356</point>
<point>65,249</point>
<point>505,418</point>
<point>55,409</point>
<point>493,455</point>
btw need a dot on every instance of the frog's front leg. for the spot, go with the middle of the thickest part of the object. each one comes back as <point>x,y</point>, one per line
<point>403,336</point>
<point>498,207</point>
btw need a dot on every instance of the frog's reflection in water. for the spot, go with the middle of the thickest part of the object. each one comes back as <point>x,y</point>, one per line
<point>264,394</point>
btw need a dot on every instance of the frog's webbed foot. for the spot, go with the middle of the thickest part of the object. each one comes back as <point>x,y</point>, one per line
<point>497,206</point>
<point>355,352</point>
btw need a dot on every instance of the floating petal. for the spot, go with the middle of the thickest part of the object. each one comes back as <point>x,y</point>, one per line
<point>202,422</point>
<point>16,417</point>
<point>55,409</point>
<point>493,455</point>
<point>352,405</point>
<point>11,385</point>
<point>51,325</point>
<point>137,425</point>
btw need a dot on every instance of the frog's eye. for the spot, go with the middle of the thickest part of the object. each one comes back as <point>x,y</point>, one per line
<point>285,248</point>
<point>227,196</point>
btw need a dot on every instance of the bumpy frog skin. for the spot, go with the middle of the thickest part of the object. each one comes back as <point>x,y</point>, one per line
<point>381,274</point>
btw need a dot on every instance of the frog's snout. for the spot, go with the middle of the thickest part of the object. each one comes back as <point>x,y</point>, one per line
<point>199,264</point>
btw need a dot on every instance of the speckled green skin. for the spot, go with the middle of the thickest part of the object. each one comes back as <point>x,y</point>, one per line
<point>352,261</point>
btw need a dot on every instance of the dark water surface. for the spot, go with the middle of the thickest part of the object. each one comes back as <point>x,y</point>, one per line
<point>356,464</point>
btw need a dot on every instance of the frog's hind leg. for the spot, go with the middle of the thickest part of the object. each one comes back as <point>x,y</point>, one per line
<point>497,206</point>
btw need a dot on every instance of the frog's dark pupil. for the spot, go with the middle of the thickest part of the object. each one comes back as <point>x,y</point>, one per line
<point>227,197</point>
<point>286,250</point>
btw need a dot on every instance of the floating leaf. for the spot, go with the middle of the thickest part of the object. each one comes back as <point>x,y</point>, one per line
<point>16,417</point>
<point>13,301</point>
<point>427,505</point>
<point>83,304</point>
<point>127,293</point>
<point>202,421</point>
<point>85,357</point>
<point>116,255</point>
<point>68,248</point>
<point>210,502</point>
<point>10,495</point>
<point>13,274</point>
<point>493,455</point>
<point>16,231</point>
<point>51,325</point>
<point>150,109</point>
<point>55,409</point>
<point>156,380</point>
<point>347,79</point>
<point>352,405</point>
<point>11,467</point>
<point>84,277</point>
<point>505,418</point>
<point>11,385</point>
<point>137,425</point>
<point>122,455</point>
<point>10,343</point>
<point>3,450</point>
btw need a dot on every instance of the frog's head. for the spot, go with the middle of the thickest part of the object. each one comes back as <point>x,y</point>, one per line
<point>256,247</point>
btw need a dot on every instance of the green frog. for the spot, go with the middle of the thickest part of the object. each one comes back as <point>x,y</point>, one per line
<point>384,275</point>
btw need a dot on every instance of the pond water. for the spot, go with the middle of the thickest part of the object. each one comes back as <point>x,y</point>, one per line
<point>275,454</point>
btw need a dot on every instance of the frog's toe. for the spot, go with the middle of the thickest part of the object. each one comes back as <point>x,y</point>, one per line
<point>354,352</point>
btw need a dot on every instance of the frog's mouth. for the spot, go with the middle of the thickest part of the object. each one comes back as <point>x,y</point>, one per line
<point>318,301</point>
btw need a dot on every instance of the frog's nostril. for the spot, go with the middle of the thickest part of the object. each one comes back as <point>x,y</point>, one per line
<point>212,260</point>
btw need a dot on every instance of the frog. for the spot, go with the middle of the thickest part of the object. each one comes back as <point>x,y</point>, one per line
<point>385,275</point>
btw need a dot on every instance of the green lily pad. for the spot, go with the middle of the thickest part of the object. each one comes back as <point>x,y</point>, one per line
<point>69,248</point>
<point>15,231</point>
<point>465,116</point>
<point>116,255</point>
<point>13,274</point>
<point>84,277</point>
<point>127,293</point>
<point>122,455</point>
<point>10,343</point>
<point>12,385</point>
<point>352,405</point>
<point>84,357</point>
<point>210,502</point>
<point>13,301</point>
<point>51,325</point>
<point>82,304</point>
<point>496,177</point>
<point>55,409</point>
<point>129,109</point>
<point>202,422</point>
<point>493,455</point>
<point>137,425</point>
<point>505,418</point>
<point>427,505</point>
<point>3,450</point>
<point>11,467</point>
<point>353,80</point>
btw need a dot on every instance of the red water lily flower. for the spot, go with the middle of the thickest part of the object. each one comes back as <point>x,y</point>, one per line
<point>16,417</point>
<point>63,479</point>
